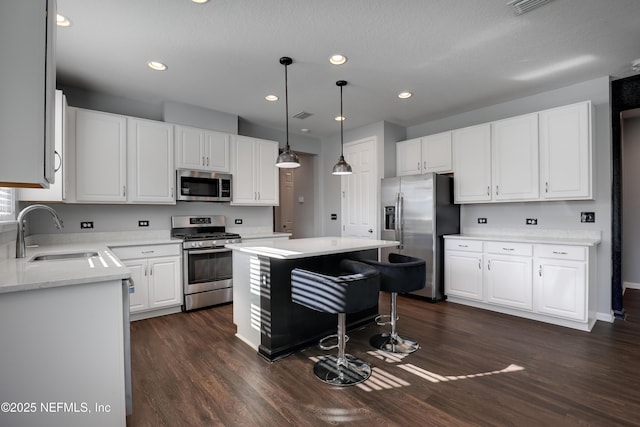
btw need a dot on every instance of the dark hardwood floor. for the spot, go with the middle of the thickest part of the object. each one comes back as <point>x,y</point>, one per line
<point>475,368</point>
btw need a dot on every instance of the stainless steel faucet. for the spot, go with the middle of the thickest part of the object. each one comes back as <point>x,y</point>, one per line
<point>20,248</point>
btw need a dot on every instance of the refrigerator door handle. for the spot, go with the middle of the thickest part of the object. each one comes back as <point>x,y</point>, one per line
<point>399,221</point>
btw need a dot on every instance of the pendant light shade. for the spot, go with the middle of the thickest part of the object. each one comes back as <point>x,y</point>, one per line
<point>342,167</point>
<point>287,159</point>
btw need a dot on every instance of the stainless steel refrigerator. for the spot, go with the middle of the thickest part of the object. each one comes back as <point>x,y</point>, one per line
<point>417,211</point>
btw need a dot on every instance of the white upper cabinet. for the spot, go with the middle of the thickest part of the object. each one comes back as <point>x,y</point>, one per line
<point>423,155</point>
<point>472,164</point>
<point>514,155</point>
<point>539,156</point>
<point>100,157</point>
<point>255,176</point>
<point>566,152</point>
<point>56,191</point>
<point>150,161</point>
<point>201,149</point>
<point>27,84</point>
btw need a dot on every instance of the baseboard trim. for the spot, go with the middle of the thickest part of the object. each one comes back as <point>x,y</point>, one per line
<point>630,285</point>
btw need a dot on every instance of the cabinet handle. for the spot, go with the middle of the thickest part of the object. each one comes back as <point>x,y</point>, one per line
<point>172,195</point>
<point>147,252</point>
<point>560,253</point>
<point>424,167</point>
<point>546,187</point>
<point>488,190</point>
<point>207,160</point>
<point>124,191</point>
<point>489,265</point>
<point>508,249</point>
<point>463,246</point>
<point>497,190</point>
<point>145,271</point>
<point>203,161</point>
<point>540,270</point>
<point>151,271</point>
<point>479,264</point>
<point>56,169</point>
<point>258,195</point>
<point>418,165</point>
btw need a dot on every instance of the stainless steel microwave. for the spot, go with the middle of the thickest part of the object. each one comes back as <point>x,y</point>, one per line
<point>200,186</point>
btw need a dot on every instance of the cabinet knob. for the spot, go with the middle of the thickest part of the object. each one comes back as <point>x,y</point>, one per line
<point>370,230</point>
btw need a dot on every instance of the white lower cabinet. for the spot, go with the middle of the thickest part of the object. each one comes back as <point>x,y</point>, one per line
<point>157,278</point>
<point>463,269</point>
<point>561,279</point>
<point>544,282</point>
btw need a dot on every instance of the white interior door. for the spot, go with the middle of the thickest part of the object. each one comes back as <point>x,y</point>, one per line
<point>360,190</point>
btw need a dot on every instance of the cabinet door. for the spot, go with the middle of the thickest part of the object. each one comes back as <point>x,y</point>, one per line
<point>150,161</point>
<point>561,288</point>
<point>267,178</point>
<point>507,280</point>
<point>101,157</point>
<point>217,151</point>
<point>164,282</point>
<point>436,153</point>
<point>565,152</point>
<point>408,157</point>
<point>244,171</point>
<point>55,192</point>
<point>139,299</point>
<point>472,164</point>
<point>190,151</point>
<point>514,158</point>
<point>463,275</point>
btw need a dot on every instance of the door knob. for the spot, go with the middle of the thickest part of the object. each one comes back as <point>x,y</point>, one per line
<point>370,230</point>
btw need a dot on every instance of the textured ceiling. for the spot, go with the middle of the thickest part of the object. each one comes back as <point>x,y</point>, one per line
<point>453,55</point>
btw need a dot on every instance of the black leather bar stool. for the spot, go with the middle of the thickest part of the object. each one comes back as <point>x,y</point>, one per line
<point>400,275</point>
<point>356,288</point>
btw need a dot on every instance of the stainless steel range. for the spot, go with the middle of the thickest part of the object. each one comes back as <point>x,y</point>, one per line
<point>207,267</point>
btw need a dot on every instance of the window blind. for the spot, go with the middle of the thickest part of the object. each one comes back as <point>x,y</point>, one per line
<point>7,204</point>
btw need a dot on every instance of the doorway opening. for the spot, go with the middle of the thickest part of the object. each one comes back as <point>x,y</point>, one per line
<point>295,213</point>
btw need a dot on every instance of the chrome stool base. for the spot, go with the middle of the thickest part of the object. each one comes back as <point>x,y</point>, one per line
<point>348,371</point>
<point>397,344</point>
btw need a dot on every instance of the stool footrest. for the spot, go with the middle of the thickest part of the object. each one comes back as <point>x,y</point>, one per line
<point>323,346</point>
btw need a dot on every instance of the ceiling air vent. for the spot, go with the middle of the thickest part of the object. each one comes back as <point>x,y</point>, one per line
<point>523,6</point>
<point>302,115</point>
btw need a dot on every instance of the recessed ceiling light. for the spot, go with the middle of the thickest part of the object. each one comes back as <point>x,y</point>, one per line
<point>155,65</point>
<point>338,59</point>
<point>405,95</point>
<point>340,118</point>
<point>200,1</point>
<point>305,130</point>
<point>62,21</point>
<point>271,98</point>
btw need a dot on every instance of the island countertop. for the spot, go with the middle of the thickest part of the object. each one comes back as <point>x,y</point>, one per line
<point>310,247</point>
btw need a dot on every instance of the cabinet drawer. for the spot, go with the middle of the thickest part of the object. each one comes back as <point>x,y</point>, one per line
<point>463,245</point>
<point>577,253</point>
<point>509,248</point>
<point>146,251</point>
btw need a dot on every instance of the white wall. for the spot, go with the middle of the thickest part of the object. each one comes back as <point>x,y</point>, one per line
<point>551,215</point>
<point>631,202</point>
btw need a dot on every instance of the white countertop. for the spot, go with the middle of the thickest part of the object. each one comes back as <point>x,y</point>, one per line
<point>309,247</point>
<point>22,274</point>
<point>263,235</point>
<point>559,239</point>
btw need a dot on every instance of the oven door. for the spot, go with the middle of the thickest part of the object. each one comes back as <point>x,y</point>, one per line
<point>207,269</point>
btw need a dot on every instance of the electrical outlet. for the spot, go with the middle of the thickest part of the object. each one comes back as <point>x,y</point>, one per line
<point>482,220</point>
<point>86,224</point>
<point>143,223</point>
<point>238,221</point>
<point>334,217</point>
<point>532,221</point>
<point>587,217</point>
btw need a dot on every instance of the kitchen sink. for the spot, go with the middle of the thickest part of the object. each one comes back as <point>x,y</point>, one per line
<point>63,256</point>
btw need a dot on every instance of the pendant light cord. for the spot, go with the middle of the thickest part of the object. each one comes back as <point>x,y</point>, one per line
<point>341,129</point>
<point>286,104</point>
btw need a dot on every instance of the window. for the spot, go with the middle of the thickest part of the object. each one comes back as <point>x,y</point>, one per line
<point>7,204</point>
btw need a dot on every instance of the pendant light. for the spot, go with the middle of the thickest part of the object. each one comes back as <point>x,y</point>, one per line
<point>287,159</point>
<point>342,167</point>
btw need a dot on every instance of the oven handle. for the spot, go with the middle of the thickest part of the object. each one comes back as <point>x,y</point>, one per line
<point>207,251</point>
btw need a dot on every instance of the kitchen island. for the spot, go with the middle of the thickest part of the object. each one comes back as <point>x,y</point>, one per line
<point>263,312</point>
